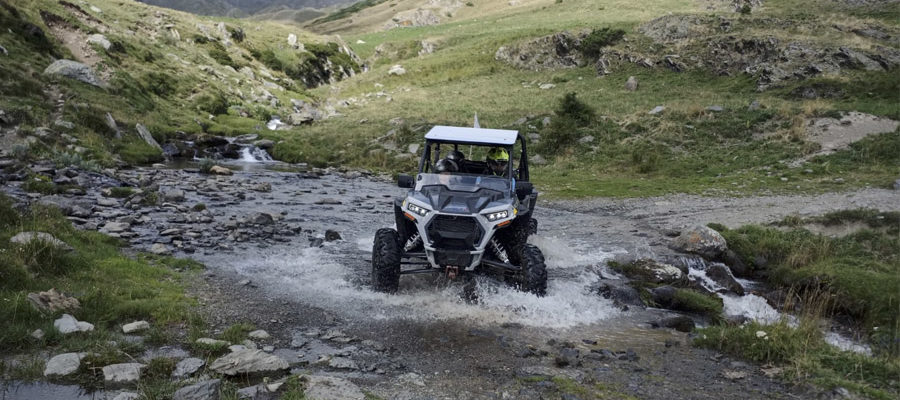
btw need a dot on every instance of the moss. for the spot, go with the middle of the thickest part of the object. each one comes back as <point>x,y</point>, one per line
<point>120,192</point>
<point>693,301</point>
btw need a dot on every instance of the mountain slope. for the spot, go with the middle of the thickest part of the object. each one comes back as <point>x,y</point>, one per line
<point>241,8</point>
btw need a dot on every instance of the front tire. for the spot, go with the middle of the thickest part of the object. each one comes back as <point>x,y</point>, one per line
<point>534,270</point>
<point>386,261</point>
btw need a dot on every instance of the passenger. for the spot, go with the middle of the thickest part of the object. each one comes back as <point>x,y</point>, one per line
<point>446,166</point>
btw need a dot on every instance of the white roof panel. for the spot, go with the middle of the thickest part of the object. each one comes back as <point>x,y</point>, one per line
<point>472,135</point>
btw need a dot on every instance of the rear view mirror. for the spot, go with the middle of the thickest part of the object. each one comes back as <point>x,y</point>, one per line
<point>523,188</point>
<point>405,181</point>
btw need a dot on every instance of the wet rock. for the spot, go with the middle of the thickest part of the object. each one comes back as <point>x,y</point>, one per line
<point>332,235</point>
<point>262,187</point>
<point>720,274</point>
<point>136,326</point>
<point>652,271</point>
<point>736,264</point>
<point>679,323</point>
<point>264,144</point>
<point>663,294</point>
<point>331,388</point>
<point>68,324</point>
<point>299,340</point>
<point>73,70</point>
<point>631,84</point>
<point>205,390</point>
<point>620,293</point>
<point>249,362</point>
<point>52,301</point>
<point>328,201</point>
<point>700,240</point>
<point>63,364</point>
<point>26,238</point>
<point>117,375</point>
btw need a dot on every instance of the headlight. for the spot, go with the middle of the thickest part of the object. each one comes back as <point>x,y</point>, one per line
<point>416,209</point>
<point>496,215</point>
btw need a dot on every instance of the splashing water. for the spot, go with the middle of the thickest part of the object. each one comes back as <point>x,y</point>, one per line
<point>318,276</point>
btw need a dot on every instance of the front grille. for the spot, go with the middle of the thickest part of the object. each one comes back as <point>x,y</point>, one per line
<point>454,232</point>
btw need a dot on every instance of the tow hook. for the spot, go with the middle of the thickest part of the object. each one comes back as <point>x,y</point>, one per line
<point>452,272</point>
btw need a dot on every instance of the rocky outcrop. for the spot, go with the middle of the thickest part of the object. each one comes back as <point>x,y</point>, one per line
<point>417,17</point>
<point>73,70</point>
<point>187,367</point>
<point>549,52</point>
<point>52,301</point>
<point>144,133</point>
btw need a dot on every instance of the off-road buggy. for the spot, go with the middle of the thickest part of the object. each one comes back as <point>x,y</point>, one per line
<point>466,220</point>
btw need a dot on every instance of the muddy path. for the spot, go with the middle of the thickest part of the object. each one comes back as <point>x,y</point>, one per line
<point>262,236</point>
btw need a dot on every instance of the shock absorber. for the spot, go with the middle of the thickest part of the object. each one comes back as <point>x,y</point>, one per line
<point>499,250</point>
<point>413,241</point>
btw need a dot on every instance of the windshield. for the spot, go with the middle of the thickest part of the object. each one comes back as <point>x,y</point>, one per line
<point>464,182</point>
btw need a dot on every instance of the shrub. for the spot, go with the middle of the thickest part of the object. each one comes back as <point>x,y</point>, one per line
<point>213,103</point>
<point>159,83</point>
<point>595,41</point>
<point>570,107</point>
<point>646,158</point>
<point>218,53</point>
<point>120,192</point>
<point>39,184</point>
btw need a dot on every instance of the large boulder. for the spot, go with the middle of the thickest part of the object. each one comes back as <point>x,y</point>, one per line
<point>247,362</point>
<point>144,133</point>
<point>720,274</point>
<point>700,240</point>
<point>620,293</point>
<point>649,270</point>
<point>73,70</point>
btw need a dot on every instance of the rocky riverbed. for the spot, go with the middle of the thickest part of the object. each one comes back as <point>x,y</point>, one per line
<point>290,253</point>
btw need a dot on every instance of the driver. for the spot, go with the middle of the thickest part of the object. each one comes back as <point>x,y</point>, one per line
<point>497,159</point>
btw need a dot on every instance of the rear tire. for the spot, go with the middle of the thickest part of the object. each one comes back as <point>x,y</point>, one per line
<point>534,270</point>
<point>386,261</point>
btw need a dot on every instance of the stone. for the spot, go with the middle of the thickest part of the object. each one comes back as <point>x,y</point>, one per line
<point>206,390</point>
<point>144,133</point>
<point>160,249</point>
<point>38,334</point>
<point>331,388</point>
<point>568,357</point>
<point>897,184</point>
<point>631,84</point>
<point>99,40</point>
<point>332,235</point>
<point>342,363</point>
<point>397,70</point>
<point>187,367</point>
<point>68,324</point>
<point>262,218</point>
<point>171,194</point>
<point>73,70</point>
<point>328,201</point>
<point>754,105</point>
<point>258,334</point>
<point>127,396</point>
<point>653,271</point>
<point>52,301</point>
<point>264,144</point>
<point>26,238</point>
<point>220,170</point>
<point>656,110</point>
<point>115,227</point>
<point>701,240</point>
<point>620,293</point>
<point>63,364</point>
<point>211,342</point>
<point>249,362</point>
<point>721,274</point>
<point>136,326</point>
<point>4,51</point>
<point>117,375</point>
<point>546,86</point>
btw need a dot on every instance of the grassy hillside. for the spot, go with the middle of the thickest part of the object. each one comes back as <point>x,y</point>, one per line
<point>165,69</point>
<point>684,149</point>
<point>192,84</point>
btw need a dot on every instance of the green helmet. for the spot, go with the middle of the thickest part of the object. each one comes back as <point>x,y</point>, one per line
<point>498,154</point>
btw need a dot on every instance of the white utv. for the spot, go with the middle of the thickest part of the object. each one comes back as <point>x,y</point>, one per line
<point>464,215</point>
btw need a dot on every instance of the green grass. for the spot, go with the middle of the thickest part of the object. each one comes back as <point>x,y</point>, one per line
<point>111,287</point>
<point>804,355</point>
<point>237,333</point>
<point>860,271</point>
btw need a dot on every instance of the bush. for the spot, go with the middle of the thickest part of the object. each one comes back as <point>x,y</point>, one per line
<point>121,192</point>
<point>646,158</point>
<point>218,53</point>
<point>159,83</point>
<point>213,103</point>
<point>570,107</point>
<point>594,43</point>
